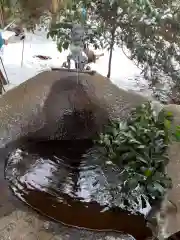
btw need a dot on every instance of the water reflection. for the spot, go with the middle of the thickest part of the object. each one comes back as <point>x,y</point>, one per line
<point>53,178</point>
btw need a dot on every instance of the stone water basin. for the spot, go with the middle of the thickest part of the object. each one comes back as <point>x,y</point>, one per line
<point>51,178</point>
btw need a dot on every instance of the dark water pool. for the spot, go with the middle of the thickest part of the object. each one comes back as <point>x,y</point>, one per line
<point>54,179</point>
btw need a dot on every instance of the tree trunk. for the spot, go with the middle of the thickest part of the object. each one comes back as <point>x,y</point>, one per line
<point>1,15</point>
<point>111,51</point>
<point>55,6</point>
<point>53,19</point>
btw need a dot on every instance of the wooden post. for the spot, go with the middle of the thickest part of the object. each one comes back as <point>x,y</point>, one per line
<point>22,54</point>
<point>5,81</point>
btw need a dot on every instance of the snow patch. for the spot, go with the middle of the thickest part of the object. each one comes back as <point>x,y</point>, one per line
<point>123,71</point>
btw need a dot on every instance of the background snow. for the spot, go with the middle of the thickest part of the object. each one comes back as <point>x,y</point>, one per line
<point>124,73</point>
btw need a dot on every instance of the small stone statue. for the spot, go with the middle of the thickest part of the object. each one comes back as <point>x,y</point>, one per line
<point>77,47</point>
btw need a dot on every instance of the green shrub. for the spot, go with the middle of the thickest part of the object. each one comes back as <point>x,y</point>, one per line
<point>137,150</point>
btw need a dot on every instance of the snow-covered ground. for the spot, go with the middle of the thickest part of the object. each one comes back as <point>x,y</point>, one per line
<point>123,73</point>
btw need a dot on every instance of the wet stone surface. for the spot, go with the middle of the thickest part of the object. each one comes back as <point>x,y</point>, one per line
<point>61,190</point>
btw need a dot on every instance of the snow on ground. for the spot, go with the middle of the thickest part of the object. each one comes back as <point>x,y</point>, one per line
<point>123,71</point>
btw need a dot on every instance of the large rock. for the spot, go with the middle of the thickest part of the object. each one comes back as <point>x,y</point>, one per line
<point>172,212</point>
<point>58,105</point>
<point>61,105</point>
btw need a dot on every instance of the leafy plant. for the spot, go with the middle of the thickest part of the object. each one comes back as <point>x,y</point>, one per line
<point>137,151</point>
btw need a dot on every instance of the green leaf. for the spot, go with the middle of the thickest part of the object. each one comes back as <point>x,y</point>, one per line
<point>169,114</point>
<point>167,124</point>
<point>177,134</point>
<point>59,48</point>
<point>65,45</point>
<point>148,172</point>
<point>158,187</point>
